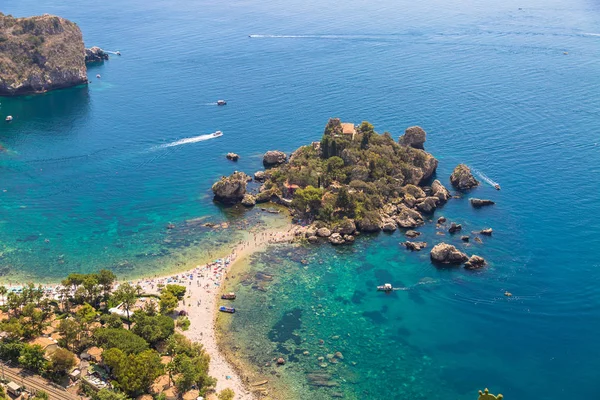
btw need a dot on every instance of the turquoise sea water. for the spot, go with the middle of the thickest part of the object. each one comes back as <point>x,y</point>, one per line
<point>491,85</point>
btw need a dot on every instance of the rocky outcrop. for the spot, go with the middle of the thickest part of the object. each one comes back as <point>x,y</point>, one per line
<point>38,54</point>
<point>414,191</point>
<point>266,196</point>
<point>412,234</point>
<point>260,176</point>
<point>427,205</point>
<point>388,225</point>
<point>232,156</point>
<point>464,238</point>
<point>408,218</point>
<point>454,227</point>
<point>414,137</point>
<point>369,223</point>
<point>95,54</point>
<point>414,246</point>
<point>336,238</point>
<point>444,253</point>
<point>423,166</point>
<point>349,238</point>
<point>346,227</point>
<point>323,232</point>
<point>477,203</point>
<point>475,262</point>
<point>486,231</point>
<point>462,178</point>
<point>438,190</point>
<point>273,158</point>
<point>313,239</point>
<point>248,200</point>
<point>230,189</point>
<point>441,220</point>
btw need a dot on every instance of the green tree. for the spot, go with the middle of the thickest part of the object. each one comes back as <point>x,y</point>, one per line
<point>122,339</point>
<point>308,200</point>
<point>226,394</point>
<point>134,372</point>
<point>126,294</point>
<point>107,394</point>
<point>13,328</point>
<point>168,302</point>
<point>32,357</point>
<point>40,395</point>
<point>10,350</point>
<point>177,290</point>
<point>92,288</point>
<point>3,291</point>
<point>179,344</point>
<point>152,328</point>
<point>61,362</point>
<point>112,321</point>
<point>2,393</point>
<point>69,331</point>
<point>192,372</point>
<point>106,280</point>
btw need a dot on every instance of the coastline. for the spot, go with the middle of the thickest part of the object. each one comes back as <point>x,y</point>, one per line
<point>201,304</point>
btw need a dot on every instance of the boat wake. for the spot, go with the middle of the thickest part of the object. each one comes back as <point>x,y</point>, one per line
<point>486,178</point>
<point>194,139</point>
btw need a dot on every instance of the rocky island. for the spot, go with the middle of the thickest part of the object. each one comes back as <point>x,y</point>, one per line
<point>356,180</point>
<point>38,54</point>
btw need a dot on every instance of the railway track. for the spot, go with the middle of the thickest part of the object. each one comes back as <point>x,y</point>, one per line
<point>34,383</point>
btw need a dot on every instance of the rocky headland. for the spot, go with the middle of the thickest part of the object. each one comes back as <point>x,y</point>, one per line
<point>38,54</point>
<point>357,181</point>
<point>42,53</point>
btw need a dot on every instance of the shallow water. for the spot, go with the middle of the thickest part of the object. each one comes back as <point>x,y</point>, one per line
<point>84,168</point>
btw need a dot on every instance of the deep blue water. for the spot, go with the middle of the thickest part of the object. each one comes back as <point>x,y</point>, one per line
<point>491,85</point>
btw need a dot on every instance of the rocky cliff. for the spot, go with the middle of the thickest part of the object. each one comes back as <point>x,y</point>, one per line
<point>38,54</point>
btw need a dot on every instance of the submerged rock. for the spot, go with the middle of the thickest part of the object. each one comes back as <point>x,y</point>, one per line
<point>444,253</point>
<point>462,178</point>
<point>477,203</point>
<point>486,231</point>
<point>441,220</point>
<point>414,246</point>
<point>412,234</point>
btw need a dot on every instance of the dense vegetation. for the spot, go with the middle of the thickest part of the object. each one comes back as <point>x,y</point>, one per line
<point>349,176</point>
<point>133,348</point>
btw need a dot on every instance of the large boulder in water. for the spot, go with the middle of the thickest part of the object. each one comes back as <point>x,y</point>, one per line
<point>462,178</point>
<point>273,158</point>
<point>477,203</point>
<point>248,200</point>
<point>414,137</point>
<point>475,262</point>
<point>444,253</point>
<point>428,204</point>
<point>95,54</point>
<point>230,189</point>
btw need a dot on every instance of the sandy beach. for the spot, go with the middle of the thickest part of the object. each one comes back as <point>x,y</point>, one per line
<point>204,285</point>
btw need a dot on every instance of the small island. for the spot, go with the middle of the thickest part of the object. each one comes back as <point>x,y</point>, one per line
<point>354,181</point>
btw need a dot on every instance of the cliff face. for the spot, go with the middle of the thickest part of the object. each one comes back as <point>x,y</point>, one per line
<point>38,54</point>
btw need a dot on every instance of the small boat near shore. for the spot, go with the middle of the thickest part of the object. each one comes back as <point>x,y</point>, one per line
<point>8,118</point>
<point>497,187</point>
<point>386,287</point>
<point>228,296</point>
<point>226,309</point>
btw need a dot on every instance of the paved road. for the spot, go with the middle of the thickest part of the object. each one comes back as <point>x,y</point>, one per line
<point>35,382</point>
